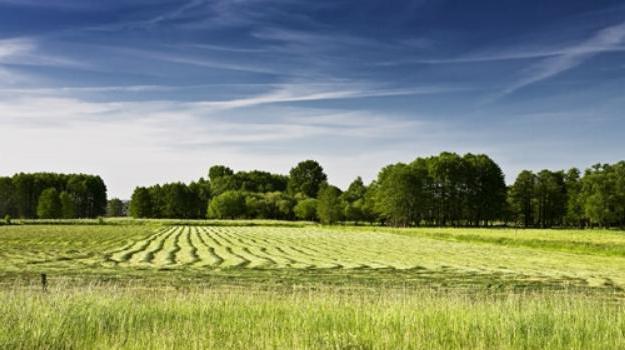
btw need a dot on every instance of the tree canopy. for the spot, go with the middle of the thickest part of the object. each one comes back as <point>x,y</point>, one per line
<point>81,196</point>
<point>306,178</point>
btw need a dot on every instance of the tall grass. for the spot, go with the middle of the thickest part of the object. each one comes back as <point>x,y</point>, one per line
<point>234,319</point>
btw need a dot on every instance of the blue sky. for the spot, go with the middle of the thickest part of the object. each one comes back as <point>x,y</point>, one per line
<point>152,91</point>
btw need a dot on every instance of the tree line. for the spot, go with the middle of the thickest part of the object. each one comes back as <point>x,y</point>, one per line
<point>569,198</point>
<point>443,190</point>
<point>52,196</point>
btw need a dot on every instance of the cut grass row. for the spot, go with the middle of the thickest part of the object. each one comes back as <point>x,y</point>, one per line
<point>120,249</point>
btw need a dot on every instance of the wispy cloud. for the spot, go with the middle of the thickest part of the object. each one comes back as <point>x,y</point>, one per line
<point>10,48</point>
<point>608,39</point>
<point>319,92</point>
<point>511,54</point>
<point>187,59</point>
<point>190,125</point>
<point>26,51</point>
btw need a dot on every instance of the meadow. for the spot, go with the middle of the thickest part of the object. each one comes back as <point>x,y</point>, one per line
<point>203,284</point>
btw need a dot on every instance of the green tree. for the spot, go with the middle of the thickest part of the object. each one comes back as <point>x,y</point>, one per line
<point>550,192</point>
<point>368,208</point>
<point>353,211</point>
<point>202,193</point>
<point>522,197</point>
<point>574,206</point>
<point>177,201</point>
<point>355,191</point>
<point>49,204</point>
<point>485,189</point>
<point>329,205</point>
<point>228,205</point>
<point>306,177</point>
<point>68,207</point>
<point>354,199</point>
<point>402,193</point>
<point>218,171</point>
<point>306,209</point>
<point>141,204</point>
<point>115,208</point>
<point>448,173</point>
<point>599,193</point>
<point>7,200</point>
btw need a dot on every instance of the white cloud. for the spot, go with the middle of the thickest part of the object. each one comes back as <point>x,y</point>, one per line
<point>26,51</point>
<point>10,48</point>
<point>133,143</point>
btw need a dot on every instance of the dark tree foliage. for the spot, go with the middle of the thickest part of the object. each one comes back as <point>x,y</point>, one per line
<point>551,198</point>
<point>201,195</point>
<point>574,206</point>
<point>219,171</point>
<point>306,178</point>
<point>173,200</point>
<point>141,205</point>
<point>7,199</point>
<point>441,190</point>
<point>19,195</point>
<point>252,181</point>
<point>115,208</point>
<point>176,201</point>
<point>485,189</point>
<point>558,198</point>
<point>523,197</point>
<point>602,195</point>
<point>447,171</point>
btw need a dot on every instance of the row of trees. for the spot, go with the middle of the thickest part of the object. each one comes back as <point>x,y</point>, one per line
<point>447,189</point>
<point>549,198</point>
<point>51,196</point>
<point>442,190</point>
<point>253,194</point>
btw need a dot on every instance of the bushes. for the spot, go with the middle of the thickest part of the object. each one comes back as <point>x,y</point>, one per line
<point>306,209</point>
<point>49,205</point>
<point>248,205</point>
<point>228,205</point>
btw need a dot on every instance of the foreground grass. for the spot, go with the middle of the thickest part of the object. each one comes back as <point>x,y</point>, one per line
<point>225,319</point>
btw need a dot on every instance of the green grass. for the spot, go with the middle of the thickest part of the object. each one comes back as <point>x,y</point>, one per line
<point>313,319</point>
<point>160,284</point>
<point>596,242</point>
<point>570,256</point>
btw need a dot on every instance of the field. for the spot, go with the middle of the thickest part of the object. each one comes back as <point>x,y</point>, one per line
<point>283,285</point>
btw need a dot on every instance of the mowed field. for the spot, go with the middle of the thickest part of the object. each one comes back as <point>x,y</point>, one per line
<point>593,258</point>
<point>280,285</point>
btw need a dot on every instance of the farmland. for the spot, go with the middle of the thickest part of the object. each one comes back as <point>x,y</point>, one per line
<point>299,285</point>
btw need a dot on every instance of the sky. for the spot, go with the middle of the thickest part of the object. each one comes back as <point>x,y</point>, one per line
<point>152,91</point>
